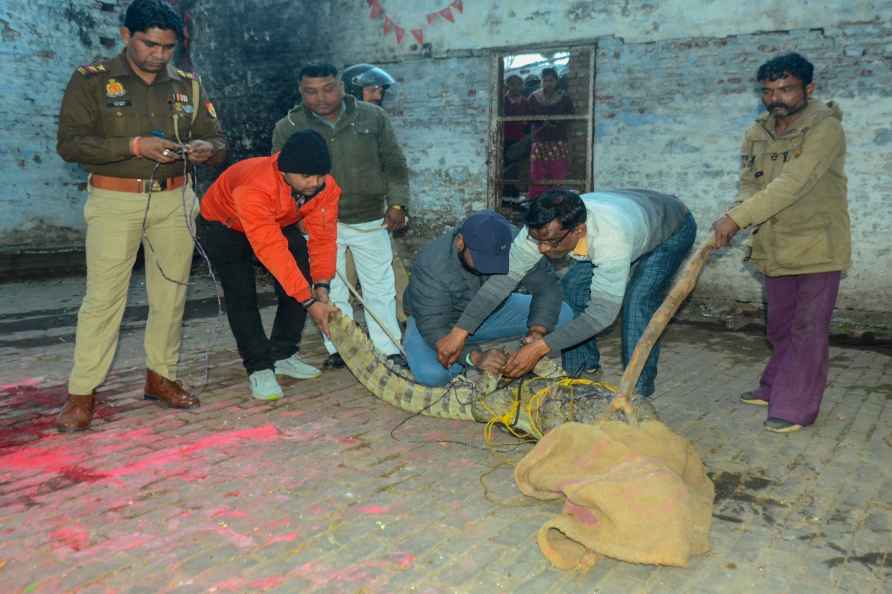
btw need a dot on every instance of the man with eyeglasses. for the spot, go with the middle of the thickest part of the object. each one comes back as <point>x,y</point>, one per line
<point>627,246</point>
<point>446,275</point>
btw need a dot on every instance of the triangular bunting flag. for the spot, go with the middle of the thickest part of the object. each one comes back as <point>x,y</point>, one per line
<point>457,5</point>
<point>400,33</point>
<point>377,10</point>
<point>431,18</point>
<point>388,25</point>
<point>418,34</point>
<point>446,13</point>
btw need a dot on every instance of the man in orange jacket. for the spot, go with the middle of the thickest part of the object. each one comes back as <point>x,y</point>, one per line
<point>265,206</point>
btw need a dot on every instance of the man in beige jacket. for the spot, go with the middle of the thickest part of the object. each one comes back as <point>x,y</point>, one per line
<point>793,195</point>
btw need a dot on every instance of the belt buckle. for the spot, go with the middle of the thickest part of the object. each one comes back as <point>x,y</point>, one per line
<point>153,185</point>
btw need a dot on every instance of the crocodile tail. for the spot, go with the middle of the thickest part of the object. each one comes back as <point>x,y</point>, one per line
<point>449,402</point>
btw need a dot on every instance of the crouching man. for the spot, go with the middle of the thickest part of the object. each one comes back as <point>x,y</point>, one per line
<point>264,207</point>
<point>627,245</point>
<point>446,276</point>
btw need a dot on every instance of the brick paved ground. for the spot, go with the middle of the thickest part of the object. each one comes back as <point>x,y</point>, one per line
<point>318,493</point>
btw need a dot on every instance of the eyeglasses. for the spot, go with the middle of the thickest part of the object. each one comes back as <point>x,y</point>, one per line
<point>549,243</point>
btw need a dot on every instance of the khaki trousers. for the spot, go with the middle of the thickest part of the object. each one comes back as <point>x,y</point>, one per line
<point>114,232</point>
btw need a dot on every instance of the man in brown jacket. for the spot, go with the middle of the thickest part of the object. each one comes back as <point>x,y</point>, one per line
<point>138,125</point>
<point>793,195</point>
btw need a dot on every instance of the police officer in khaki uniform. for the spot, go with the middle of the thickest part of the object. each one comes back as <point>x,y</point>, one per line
<point>137,125</point>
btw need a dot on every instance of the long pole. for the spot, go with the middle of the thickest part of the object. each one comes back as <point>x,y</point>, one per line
<point>369,312</point>
<point>676,296</point>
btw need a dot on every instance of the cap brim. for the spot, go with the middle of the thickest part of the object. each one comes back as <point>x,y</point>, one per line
<point>489,263</point>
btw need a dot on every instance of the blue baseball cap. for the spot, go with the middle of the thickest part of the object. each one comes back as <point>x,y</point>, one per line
<point>488,236</point>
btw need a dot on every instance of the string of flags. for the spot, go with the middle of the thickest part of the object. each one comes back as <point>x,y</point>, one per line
<point>391,26</point>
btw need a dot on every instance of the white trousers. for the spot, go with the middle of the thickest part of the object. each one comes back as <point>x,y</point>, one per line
<point>370,245</point>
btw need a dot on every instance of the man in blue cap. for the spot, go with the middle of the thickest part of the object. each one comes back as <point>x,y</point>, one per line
<point>446,275</point>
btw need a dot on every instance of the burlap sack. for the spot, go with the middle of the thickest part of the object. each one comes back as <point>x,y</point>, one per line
<point>636,494</point>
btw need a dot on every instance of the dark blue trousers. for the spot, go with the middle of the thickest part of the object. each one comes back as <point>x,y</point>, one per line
<point>648,285</point>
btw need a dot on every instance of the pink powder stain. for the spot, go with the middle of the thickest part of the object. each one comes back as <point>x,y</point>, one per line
<point>318,510</point>
<point>230,585</point>
<point>374,510</point>
<point>64,459</point>
<point>125,439</point>
<point>217,440</point>
<point>225,512</point>
<point>321,576</point>
<point>583,514</point>
<point>281,523</point>
<point>301,435</point>
<point>242,585</point>
<point>237,538</point>
<point>46,459</point>
<point>290,537</point>
<point>118,544</point>
<point>27,382</point>
<point>402,559</point>
<point>349,441</point>
<point>437,436</point>
<point>75,538</point>
<point>267,583</point>
<point>462,463</point>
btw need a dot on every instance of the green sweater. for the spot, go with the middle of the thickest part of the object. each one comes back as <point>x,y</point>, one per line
<point>366,160</point>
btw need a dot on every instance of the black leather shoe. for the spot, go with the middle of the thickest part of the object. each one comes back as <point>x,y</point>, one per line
<point>781,426</point>
<point>334,361</point>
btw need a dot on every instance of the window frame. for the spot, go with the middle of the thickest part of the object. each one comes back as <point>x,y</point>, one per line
<point>495,150</point>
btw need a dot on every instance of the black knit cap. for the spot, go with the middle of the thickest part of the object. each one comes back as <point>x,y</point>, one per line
<point>305,153</point>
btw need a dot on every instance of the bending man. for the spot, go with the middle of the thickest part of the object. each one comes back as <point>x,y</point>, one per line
<point>627,244</point>
<point>263,207</point>
<point>446,276</point>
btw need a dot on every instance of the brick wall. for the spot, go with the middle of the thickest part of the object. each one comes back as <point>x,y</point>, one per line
<point>673,97</point>
<point>248,54</point>
<point>42,42</point>
<point>671,116</point>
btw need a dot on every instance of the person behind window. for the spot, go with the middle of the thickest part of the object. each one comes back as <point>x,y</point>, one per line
<point>550,153</point>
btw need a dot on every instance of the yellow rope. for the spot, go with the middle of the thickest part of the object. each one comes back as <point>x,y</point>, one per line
<point>533,407</point>
<point>506,419</point>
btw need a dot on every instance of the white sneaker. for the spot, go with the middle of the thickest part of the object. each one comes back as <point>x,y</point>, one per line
<point>264,385</point>
<point>294,367</point>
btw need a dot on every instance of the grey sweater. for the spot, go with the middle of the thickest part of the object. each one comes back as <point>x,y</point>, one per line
<point>440,288</point>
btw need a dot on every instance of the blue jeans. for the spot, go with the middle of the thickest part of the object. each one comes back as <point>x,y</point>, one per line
<point>648,285</point>
<point>509,321</point>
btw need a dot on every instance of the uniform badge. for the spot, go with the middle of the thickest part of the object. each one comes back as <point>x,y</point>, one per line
<point>211,110</point>
<point>113,88</point>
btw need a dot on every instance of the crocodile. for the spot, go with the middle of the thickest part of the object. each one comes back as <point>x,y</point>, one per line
<point>532,405</point>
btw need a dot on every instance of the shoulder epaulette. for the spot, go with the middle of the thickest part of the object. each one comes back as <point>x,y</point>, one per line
<point>185,74</point>
<point>92,69</point>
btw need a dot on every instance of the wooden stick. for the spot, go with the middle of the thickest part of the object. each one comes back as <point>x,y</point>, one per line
<point>676,296</point>
<point>368,312</point>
